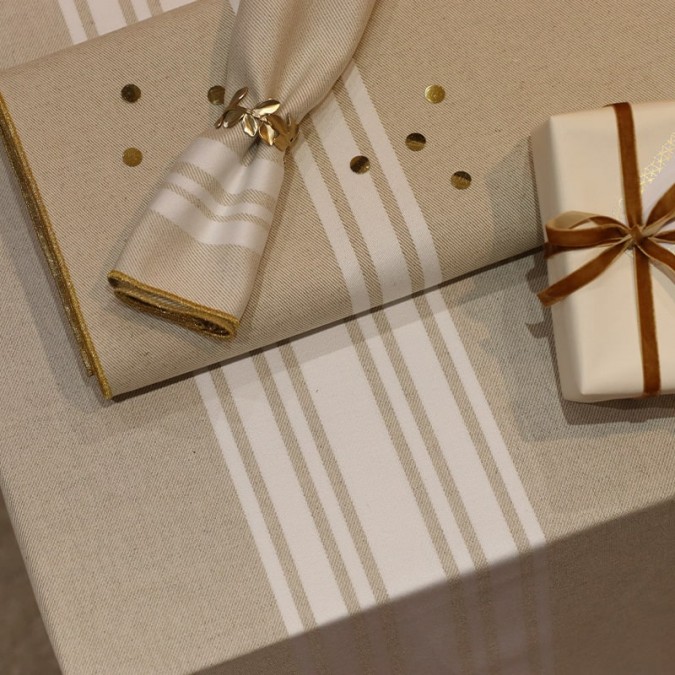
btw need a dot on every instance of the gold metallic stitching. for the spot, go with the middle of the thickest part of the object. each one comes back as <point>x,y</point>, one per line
<point>155,301</point>
<point>50,247</point>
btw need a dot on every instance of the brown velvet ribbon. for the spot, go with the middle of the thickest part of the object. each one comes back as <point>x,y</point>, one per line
<point>576,230</point>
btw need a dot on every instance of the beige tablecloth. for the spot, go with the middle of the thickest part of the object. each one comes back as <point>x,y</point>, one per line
<point>404,492</point>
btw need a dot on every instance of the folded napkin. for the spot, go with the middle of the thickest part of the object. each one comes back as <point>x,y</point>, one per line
<point>344,238</point>
<point>195,254</point>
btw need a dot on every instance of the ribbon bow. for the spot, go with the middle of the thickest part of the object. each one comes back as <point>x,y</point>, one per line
<point>576,230</point>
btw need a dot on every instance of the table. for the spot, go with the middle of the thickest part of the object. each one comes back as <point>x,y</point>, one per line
<point>404,492</point>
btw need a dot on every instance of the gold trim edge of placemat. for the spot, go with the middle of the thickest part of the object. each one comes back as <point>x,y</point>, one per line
<point>50,247</point>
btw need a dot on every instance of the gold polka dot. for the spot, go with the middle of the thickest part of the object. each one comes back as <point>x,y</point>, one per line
<point>130,93</point>
<point>434,93</point>
<point>415,141</point>
<point>461,180</point>
<point>360,164</point>
<point>216,95</point>
<point>132,157</point>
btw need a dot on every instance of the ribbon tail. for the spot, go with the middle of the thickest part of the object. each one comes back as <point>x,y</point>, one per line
<point>651,370</point>
<point>665,237</point>
<point>664,208</point>
<point>582,276</point>
<point>194,256</point>
<point>658,254</point>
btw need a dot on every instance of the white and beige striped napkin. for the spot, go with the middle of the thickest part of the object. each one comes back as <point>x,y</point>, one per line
<point>194,256</point>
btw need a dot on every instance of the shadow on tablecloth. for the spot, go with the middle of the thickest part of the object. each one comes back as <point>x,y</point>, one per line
<point>24,645</point>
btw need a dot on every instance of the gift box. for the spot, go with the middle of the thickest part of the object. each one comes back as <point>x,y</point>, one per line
<point>341,242</point>
<point>606,345</point>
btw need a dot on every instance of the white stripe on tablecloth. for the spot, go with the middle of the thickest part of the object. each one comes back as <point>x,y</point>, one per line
<point>376,482</point>
<point>108,15</point>
<point>481,407</point>
<point>256,522</point>
<point>321,480</point>
<point>168,5</point>
<point>332,225</point>
<point>393,172</point>
<point>73,21</point>
<point>468,473</point>
<point>448,424</point>
<point>285,491</point>
<point>409,207</point>
<point>430,478</point>
<point>372,220</point>
<point>413,437</point>
<point>141,9</point>
<point>364,200</point>
<point>504,461</point>
<point>250,505</point>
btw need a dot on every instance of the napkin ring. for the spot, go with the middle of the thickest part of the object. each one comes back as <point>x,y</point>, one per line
<point>260,121</point>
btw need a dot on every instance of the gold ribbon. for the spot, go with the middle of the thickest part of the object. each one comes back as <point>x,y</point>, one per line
<point>645,239</point>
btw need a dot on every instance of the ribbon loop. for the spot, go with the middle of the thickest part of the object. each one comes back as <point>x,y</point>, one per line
<point>575,230</point>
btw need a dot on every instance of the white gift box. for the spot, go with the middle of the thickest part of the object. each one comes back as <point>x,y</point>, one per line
<point>578,168</point>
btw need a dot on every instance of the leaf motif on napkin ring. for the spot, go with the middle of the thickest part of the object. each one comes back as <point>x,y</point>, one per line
<point>260,121</point>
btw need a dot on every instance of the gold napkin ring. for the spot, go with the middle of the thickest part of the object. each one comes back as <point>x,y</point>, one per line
<point>260,121</point>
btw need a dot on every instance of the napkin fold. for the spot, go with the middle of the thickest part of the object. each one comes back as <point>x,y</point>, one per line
<point>194,257</point>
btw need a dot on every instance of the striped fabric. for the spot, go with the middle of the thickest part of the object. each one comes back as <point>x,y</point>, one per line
<point>426,507</point>
<point>340,533</point>
<point>398,493</point>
